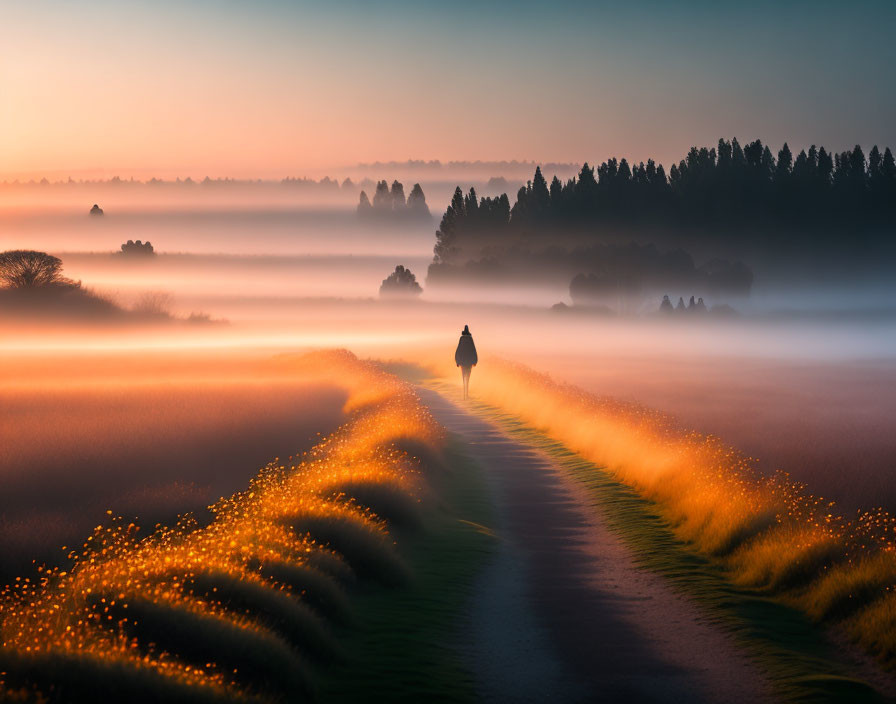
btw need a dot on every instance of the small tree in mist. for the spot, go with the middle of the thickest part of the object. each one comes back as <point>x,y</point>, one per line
<point>398,200</point>
<point>391,204</point>
<point>417,201</point>
<point>401,283</point>
<point>29,269</point>
<point>364,206</point>
<point>382,199</point>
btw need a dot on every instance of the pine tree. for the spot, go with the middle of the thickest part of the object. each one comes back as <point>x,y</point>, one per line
<point>364,207</point>
<point>397,198</point>
<point>874,163</point>
<point>785,164</point>
<point>825,164</point>
<point>382,199</point>
<point>888,168</point>
<point>541,197</point>
<point>446,248</point>
<point>417,201</point>
<point>556,193</point>
<point>767,163</point>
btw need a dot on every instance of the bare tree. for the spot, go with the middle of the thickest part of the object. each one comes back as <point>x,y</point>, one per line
<point>26,268</point>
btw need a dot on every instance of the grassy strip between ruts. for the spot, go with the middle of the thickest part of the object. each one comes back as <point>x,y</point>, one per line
<point>798,657</point>
<point>404,643</point>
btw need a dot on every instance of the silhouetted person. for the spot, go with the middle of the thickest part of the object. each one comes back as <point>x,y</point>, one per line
<point>680,307</point>
<point>692,305</point>
<point>465,357</point>
<point>666,305</point>
<point>701,306</point>
<point>96,210</point>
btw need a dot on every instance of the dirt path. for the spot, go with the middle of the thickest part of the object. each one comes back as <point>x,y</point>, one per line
<point>563,613</point>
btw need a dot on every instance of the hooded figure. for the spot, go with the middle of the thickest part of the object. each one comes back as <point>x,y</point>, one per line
<point>465,357</point>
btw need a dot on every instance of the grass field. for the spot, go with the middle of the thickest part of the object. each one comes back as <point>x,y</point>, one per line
<point>244,606</point>
<point>769,535</point>
<point>405,643</point>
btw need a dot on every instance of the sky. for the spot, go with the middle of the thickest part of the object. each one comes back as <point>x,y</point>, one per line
<point>271,88</point>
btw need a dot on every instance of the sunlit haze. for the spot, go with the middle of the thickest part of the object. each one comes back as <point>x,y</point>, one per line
<point>278,88</point>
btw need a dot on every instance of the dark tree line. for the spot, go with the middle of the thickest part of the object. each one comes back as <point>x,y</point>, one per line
<point>728,191</point>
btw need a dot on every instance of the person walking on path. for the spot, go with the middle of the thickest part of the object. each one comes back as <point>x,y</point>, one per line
<point>465,357</point>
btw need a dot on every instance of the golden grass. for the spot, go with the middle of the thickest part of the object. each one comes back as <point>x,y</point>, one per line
<point>770,532</point>
<point>199,606</point>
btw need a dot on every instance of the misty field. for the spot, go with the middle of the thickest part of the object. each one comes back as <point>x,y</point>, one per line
<point>827,422</point>
<point>147,439</point>
<point>242,606</point>
<point>745,458</point>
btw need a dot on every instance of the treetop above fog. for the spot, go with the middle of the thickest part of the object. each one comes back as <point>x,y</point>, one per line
<point>400,283</point>
<point>391,202</point>
<point>137,248</point>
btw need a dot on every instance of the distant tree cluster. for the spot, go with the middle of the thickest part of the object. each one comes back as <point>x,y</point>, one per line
<point>693,306</point>
<point>401,283</point>
<point>392,204</point>
<point>326,183</point>
<point>724,192</point>
<point>138,248</point>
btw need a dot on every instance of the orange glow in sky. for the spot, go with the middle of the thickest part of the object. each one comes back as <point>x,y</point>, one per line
<point>273,89</point>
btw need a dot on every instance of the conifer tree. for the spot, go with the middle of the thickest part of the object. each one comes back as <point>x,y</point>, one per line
<point>382,199</point>
<point>417,201</point>
<point>397,196</point>
<point>364,206</point>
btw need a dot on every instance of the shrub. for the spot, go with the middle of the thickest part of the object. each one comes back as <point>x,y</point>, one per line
<point>401,283</point>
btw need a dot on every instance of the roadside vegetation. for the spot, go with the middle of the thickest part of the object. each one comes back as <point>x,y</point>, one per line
<point>246,606</point>
<point>769,534</point>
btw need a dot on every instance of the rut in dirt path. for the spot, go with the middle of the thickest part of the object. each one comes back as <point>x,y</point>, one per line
<point>563,613</point>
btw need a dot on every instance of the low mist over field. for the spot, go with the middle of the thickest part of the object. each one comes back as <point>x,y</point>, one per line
<point>795,373</point>
<point>148,436</point>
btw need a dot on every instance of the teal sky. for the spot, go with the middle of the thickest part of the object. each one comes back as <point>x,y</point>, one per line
<point>270,88</point>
